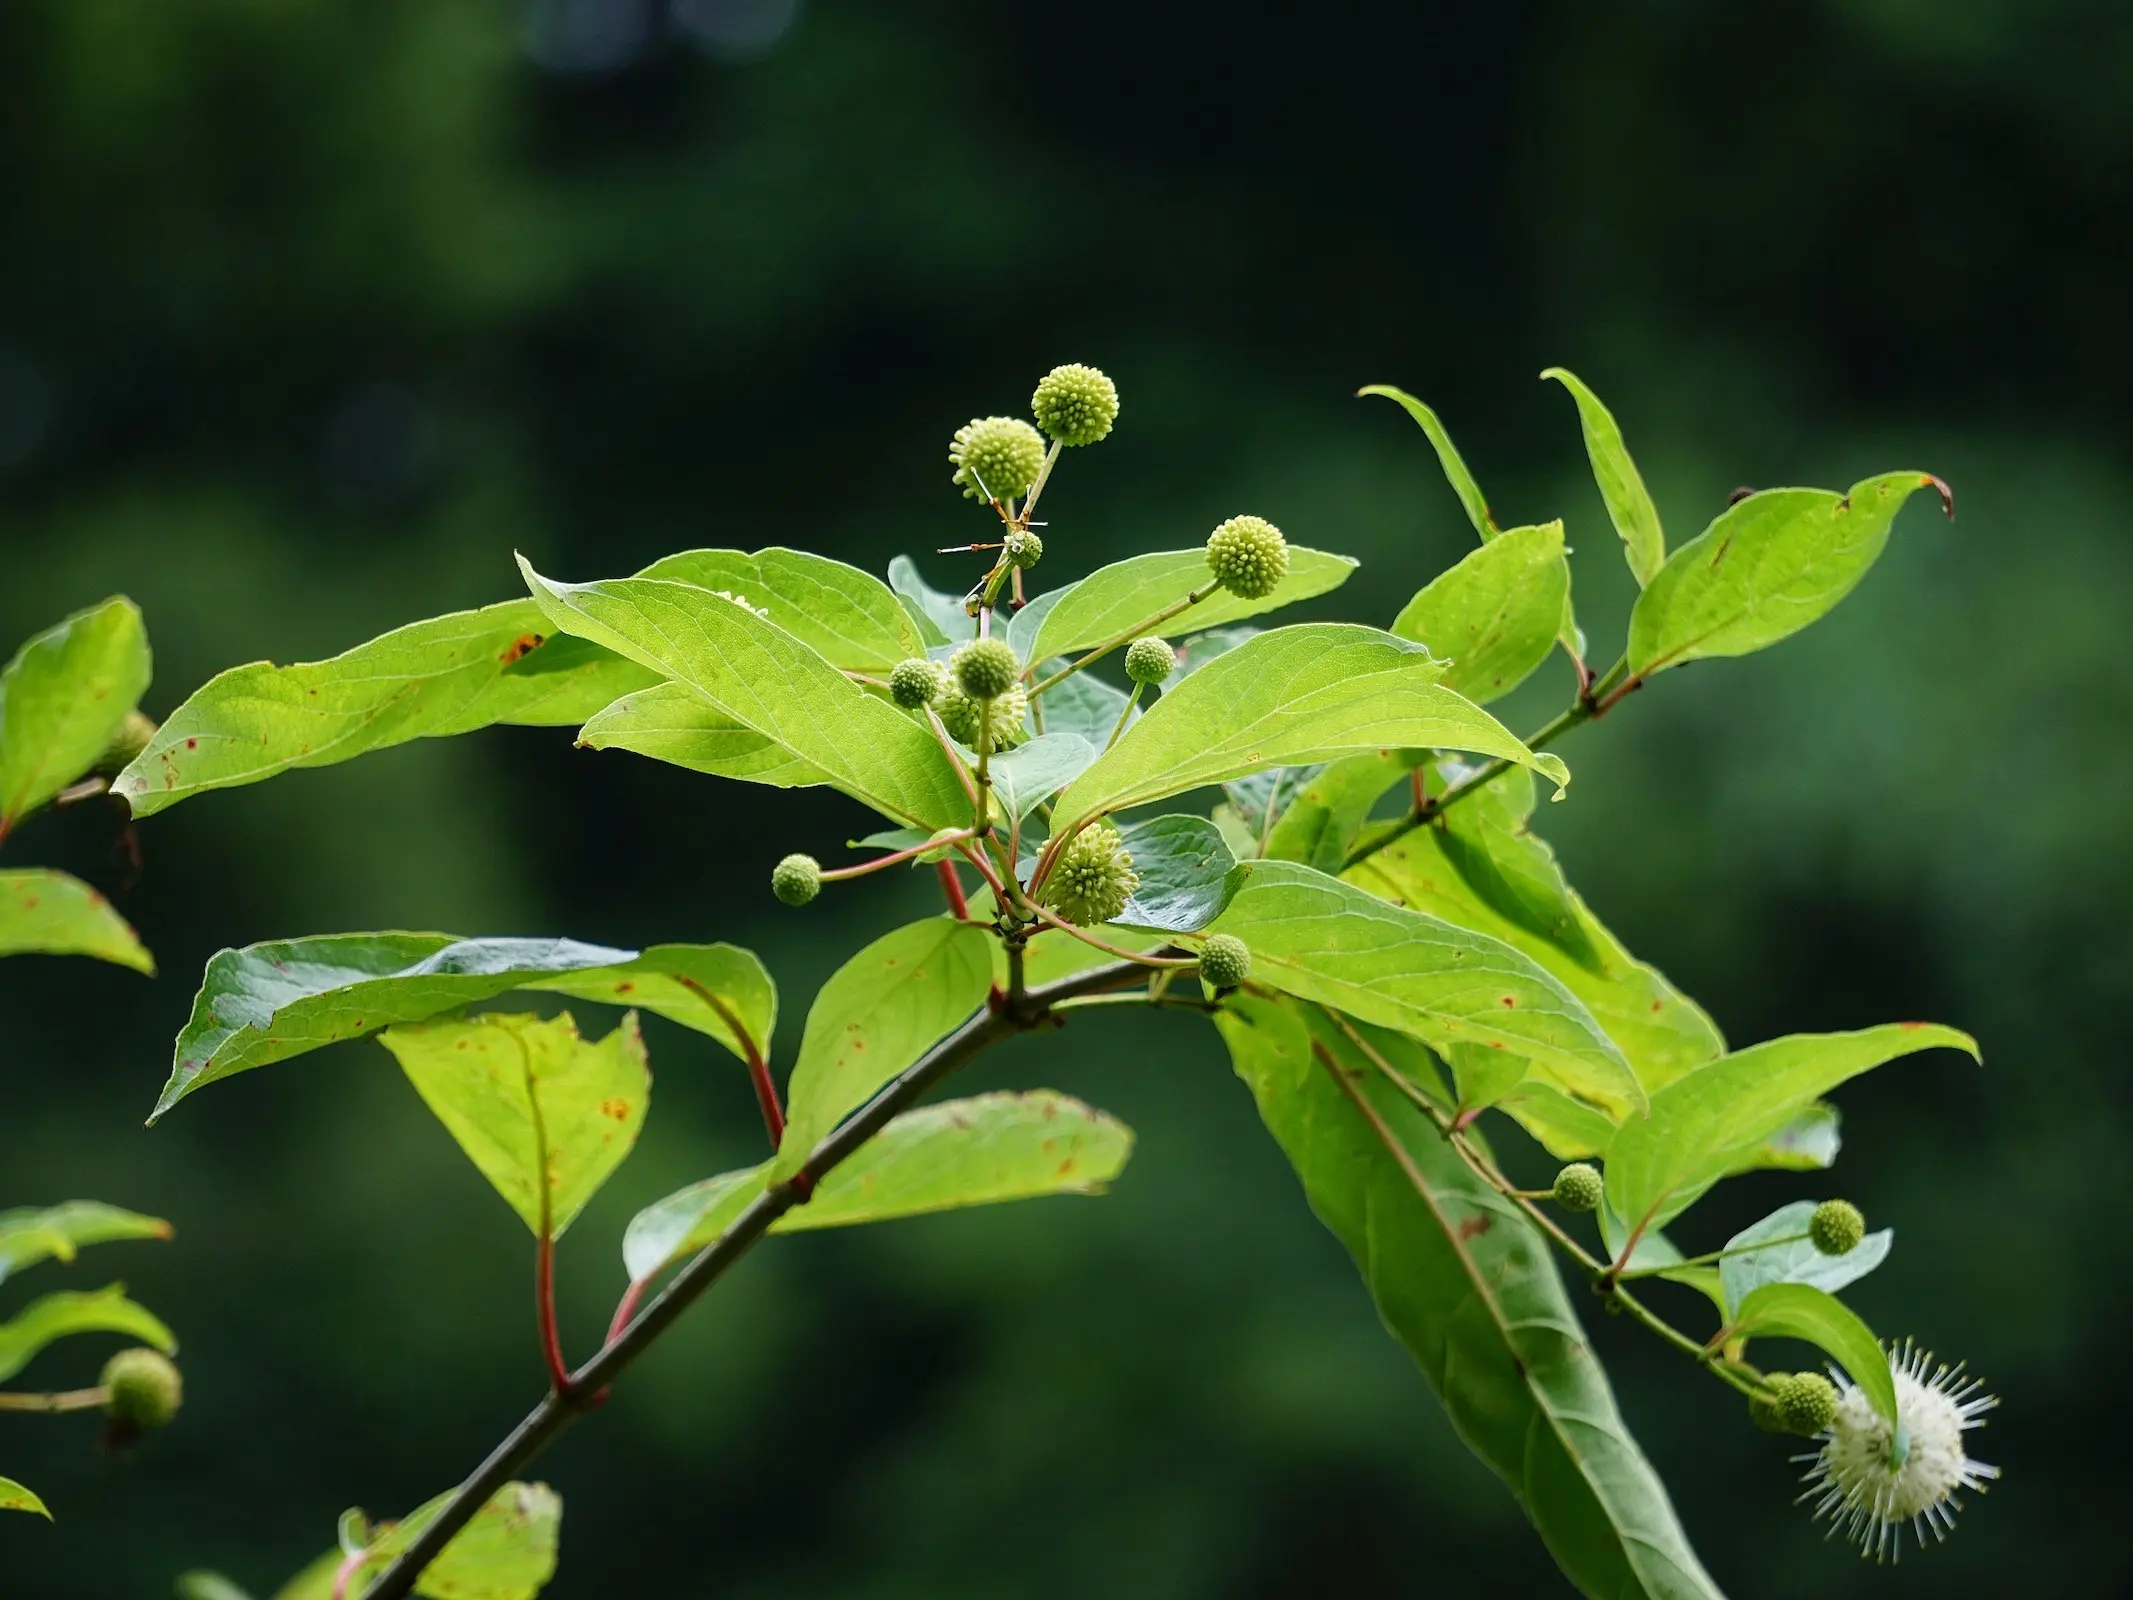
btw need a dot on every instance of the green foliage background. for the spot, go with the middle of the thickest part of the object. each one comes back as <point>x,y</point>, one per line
<point>313,312</point>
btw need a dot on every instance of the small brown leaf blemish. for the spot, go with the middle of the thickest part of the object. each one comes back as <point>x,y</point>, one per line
<point>618,1109</point>
<point>1476,1225</point>
<point>519,648</point>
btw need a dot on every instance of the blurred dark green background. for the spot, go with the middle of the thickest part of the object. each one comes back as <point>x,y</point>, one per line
<point>311,313</point>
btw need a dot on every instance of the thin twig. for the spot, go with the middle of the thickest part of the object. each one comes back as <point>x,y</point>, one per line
<point>62,1400</point>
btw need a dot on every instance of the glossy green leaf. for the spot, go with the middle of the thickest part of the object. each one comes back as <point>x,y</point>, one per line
<point>1768,566</point>
<point>1517,895</point>
<point>769,681</point>
<point>1704,1121</point>
<point>931,608</point>
<point>269,1002</point>
<point>1455,467</point>
<point>1196,650</point>
<point>1290,696</point>
<point>448,675</point>
<point>507,1552</point>
<point>14,1497</point>
<point>315,1581</point>
<point>1320,821</point>
<point>1030,774</point>
<point>877,1014</point>
<point>719,990</point>
<point>673,724</point>
<point>1187,874</point>
<point>1800,1311</point>
<point>1796,1260</point>
<point>1261,799</point>
<point>61,699</point>
<point>981,1151</point>
<point>1112,599</point>
<point>1629,503</point>
<point>58,1316</point>
<point>49,913</point>
<point>850,617</point>
<point>1082,704</point>
<point>1494,616</point>
<point>545,1115</point>
<point>1467,1284</point>
<point>1023,625</point>
<point>30,1234</point>
<point>1324,940</point>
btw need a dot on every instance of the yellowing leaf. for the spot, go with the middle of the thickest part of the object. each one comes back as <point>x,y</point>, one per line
<point>49,913</point>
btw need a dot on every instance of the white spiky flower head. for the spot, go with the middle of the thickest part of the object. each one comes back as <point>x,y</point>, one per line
<point>1871,1477</point>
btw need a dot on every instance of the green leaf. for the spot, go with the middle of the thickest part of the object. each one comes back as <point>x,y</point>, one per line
<point>1320,822</point>
<point>448,675</point>
<point>1800,1311</point>
<point>769,681</point>
<point>1495,615</point>
<point>30,1234</point>
<point>50,913</point>
<point>673,724</point>
<point>1023,625</point>
<point>1030,774</point>
<point>1324,940</point>
<point>1112,599</point>
<point>546,1116</point>
<point>1704,1121</point>
<point>1629,504</point>
<point>1455,468</point>
<point>269,1002</point>
<point>316,1581</point>
<point>877,1014</point>
<point>976,1152</point>
<point>57,1316</point>
<point>929,608</point>
<point>1082,704</point>
<point>1768,566</point>
<point>1290,696</point>
<point>61,699</point>
<point>850,617</point>
<point>14,1497</point>
<point>1517,894</point>
<point>716,989</point>
<point>1200,648</point>
<point>507,1552</point>
<point>208,1586</point>
<point>1187,874</point>
<point>1467,1284</point>
<point>1797,1261</point>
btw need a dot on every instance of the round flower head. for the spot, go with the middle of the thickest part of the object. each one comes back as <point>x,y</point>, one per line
<point>1806,1403</point>
<point>1075,404</point>
<point>142,1390</point>
<point>796,880</point>
<point>1023,548</point>
<point>1836,1227</point>
<point>915,682</point>
<point>1006,716</point>
<point>1870,1478</point>
<point>1248,557</point>
<point>1150,660</point>
<point>1225,960</point>
<point>985,669</point>
<point>1093,878</point>
<point>996,456</point>
<point>1578,1187</point>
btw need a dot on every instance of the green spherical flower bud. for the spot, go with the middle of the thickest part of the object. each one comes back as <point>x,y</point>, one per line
<point>1578,1187</point>
<point>1093,878</point>
<point>1806,1403</point>
<point>1075,404</point>
<point>1763,1407</point>
<point>1006,717</point>
<point>142,1390</point>
<point>796,880</point>
<point>1836,1226</point>
<point>1225,960</point>
<point>1022,548</point>
<point>915,683</point>
<point>985,669</point>
<point>996,456</point>
<point>1150,660</point>
<point>1248,557</point>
